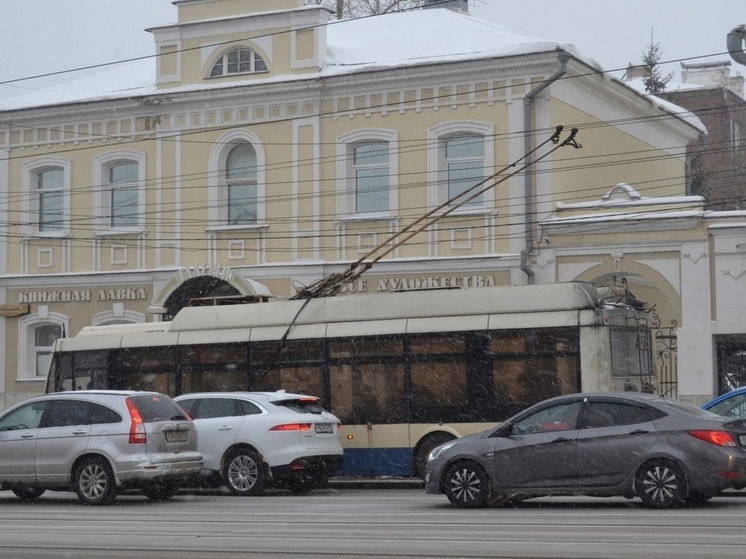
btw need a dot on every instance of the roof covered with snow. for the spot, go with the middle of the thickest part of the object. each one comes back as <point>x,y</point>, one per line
<point>639,85</point>
<point>393,40</point>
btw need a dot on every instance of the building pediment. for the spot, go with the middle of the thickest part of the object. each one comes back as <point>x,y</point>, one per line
<point>233,41</point>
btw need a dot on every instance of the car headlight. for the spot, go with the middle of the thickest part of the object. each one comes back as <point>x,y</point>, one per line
<point>438,450</point>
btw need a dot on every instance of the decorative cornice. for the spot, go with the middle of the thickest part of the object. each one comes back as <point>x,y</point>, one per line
<point>735,276</point>
<point>697,259</point>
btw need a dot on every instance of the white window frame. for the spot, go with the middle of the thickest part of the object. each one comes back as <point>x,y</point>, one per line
<point>27,350</point>
<point>346,184</point>
<point>103,188</point>
<point>437,171</point>
<point>218,188</point>
<point>114,317</point>
<point>222,58</point>
<point>31,171</point>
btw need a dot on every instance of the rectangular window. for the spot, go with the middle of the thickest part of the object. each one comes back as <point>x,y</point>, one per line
<point>370,163</point>
<point>365,347</point>
<point>124,195</point>
<point>369,392</point>
<point>146,368</point>
<point>241,204</point>
<point>300,379</point>
<point>50,185</point>
<point>464,167</point>
<point>44,338</point>
<point>532,365</point>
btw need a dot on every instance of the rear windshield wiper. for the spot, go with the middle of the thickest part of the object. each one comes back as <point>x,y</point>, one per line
<point>172,418</point>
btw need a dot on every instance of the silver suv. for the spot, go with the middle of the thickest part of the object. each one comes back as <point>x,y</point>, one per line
<point>98,442</point>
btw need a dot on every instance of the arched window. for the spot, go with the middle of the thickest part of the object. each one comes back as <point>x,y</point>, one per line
<point>238,61</point>
<point>36,336</point>
<point>117,316</point>
<point>241,185</point>
<point>237,181</point>
<point>44,337</point>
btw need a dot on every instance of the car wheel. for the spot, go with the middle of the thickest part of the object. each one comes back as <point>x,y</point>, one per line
<point>94,481</point>
<point>161,491</point>
<point>661,484</point>
<point>423,450</point>
<point>28,492</point>
<point>466,485</point>
<point>243,473</point>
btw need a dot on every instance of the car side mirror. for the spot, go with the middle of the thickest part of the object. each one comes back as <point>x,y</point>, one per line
<point>504,431</point>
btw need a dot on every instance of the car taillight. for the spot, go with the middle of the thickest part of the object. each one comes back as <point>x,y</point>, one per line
<point>137,427</point>
<point>720,438</point>
<point>292,427</point>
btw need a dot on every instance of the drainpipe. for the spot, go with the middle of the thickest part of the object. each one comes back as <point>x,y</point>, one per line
<point>528,126</point>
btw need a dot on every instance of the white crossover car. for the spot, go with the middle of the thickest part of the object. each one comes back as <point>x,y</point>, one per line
<point>251,440</point>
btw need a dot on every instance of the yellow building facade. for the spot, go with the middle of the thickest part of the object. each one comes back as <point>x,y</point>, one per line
<point>259,151</point>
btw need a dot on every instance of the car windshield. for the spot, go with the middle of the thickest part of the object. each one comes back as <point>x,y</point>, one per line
<point>301,405</point>
<point>734,406</point>
<point>157,407</point>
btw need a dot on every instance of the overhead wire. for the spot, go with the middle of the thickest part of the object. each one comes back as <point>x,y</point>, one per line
<point>589,125</point>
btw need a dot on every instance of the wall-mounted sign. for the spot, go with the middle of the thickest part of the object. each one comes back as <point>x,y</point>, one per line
<point>13,310</point>
<point>364,285</point>
<point>82,296</point>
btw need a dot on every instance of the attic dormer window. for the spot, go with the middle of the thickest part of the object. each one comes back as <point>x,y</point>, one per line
<point>238,61</point>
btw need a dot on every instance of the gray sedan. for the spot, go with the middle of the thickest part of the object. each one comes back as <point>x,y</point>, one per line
<point>664,451</point>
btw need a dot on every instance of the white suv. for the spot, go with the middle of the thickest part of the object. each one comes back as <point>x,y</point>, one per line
<point>252,439</point>
<point>98,442</point>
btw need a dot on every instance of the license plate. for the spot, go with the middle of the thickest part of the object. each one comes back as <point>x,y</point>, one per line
<point>742,438</point>
<point>324,428</point>
<point>177,436</point>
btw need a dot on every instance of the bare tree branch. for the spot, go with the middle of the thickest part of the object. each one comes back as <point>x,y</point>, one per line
<point>361,8</point>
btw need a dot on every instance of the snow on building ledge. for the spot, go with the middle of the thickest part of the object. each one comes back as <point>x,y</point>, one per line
<point>624,209</point>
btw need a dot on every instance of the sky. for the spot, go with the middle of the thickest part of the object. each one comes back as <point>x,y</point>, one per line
<point>48,36</point>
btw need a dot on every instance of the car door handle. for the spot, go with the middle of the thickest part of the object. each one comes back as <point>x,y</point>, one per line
<point>80,432</point>
<point>27,435</point>
<point>562,440</point>
<point>640,432</point>
<point>225,428</point>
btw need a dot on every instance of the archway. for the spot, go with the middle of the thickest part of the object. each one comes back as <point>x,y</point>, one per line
<point>659,294</point>
<point>203,286</point>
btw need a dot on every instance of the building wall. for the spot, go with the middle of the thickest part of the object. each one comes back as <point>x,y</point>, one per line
<point>719,161</point>
<point>302,130</point>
